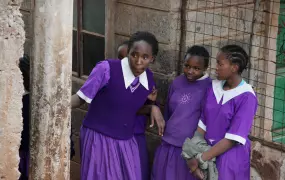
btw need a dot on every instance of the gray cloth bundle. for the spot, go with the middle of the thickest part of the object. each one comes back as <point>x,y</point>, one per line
<point>192,148</point>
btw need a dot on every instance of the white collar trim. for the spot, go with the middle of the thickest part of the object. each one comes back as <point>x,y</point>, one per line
<point>229,94</point>
<point>205,76</point>
<point>129,76</point>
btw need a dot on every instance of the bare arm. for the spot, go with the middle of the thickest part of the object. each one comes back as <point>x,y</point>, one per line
<point>145,110</point>
<point>76,101</point>
<point>201,131</point>
<point>155,116</point>
<point>218,149</point>
<point>193,163</point>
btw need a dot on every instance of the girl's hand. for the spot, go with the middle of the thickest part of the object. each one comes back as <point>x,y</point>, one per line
<point>153,95</point>
<point>156,116</point>
<point>198,173</point>
<point>192,164</point>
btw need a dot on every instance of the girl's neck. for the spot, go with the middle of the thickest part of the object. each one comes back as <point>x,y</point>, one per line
<point>232,82</point>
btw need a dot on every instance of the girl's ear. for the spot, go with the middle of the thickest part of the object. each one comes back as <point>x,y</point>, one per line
<point>152,59</point>
<point>235,68</point>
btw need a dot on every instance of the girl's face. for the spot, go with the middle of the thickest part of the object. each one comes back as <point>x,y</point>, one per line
<point>140,56</point>
<point>225,69</point>
<point>122,51</point>
<point>194,67</point>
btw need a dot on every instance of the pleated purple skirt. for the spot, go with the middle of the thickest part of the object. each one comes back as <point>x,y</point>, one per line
<point>141,140</point>
<point>105,158</point>
<point>169,164</point>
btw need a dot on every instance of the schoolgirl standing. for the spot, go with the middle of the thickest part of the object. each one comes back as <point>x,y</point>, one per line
<point>182,113</point>
<point>116,90</point>
<point>227,117</point>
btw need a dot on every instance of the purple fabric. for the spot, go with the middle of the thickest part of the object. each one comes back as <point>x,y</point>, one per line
<point>184,109</point>
<point>182,113</point>
<point>97,79</point>
<point>140,124</point>
<point>103,155</point>
<point>169,164</point>
<point>135,81</point>
<point>232,120</point>
<point>141,141</point>
<point>121,102</point>
<point>24,164</point>
<point>105,158</point>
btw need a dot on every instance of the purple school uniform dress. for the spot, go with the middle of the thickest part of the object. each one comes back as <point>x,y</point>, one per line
<point>109,150</point>
<point>229,114</point>
<point>139,134</point>
<point>182,114</point>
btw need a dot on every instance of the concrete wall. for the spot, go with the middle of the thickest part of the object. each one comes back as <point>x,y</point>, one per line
<point>12,37</point>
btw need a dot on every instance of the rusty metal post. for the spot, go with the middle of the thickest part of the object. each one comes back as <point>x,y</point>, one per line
<point>51,90</point>
<point>12,38</point>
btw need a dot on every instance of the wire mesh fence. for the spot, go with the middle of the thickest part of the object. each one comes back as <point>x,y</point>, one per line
<point>259,27</point>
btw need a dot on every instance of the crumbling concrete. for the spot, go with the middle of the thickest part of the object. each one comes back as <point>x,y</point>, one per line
<point>51,87</point>
<point>12,37</point>
<point>267,163</point>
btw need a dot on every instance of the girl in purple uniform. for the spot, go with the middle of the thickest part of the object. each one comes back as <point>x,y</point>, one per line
<point>140,124</point>
<point>227,117</point>
<point>116,91</point>
<point>182,113</point>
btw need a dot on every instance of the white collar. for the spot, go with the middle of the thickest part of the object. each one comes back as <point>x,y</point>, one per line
<point>220,93</point>
<point>129,76</point>
<point>205,76</point>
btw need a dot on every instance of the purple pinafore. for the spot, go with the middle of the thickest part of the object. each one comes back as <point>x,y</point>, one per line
<point>229,114</point>
<point>109,150</point>
<point>182,113</point>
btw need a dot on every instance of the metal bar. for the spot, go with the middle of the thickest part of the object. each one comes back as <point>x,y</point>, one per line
<point>182,35</point>
<point>79,39</point>
<point>92,33</point>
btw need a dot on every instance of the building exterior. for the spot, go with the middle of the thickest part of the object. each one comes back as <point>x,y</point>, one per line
<point>258,25</point>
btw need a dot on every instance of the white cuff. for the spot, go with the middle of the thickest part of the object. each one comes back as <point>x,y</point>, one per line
<point>82,96</point>
<point>202,125</point>
<point>235,138</point>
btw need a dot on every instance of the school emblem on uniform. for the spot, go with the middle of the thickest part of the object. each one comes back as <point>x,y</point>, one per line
<point>185,98</point>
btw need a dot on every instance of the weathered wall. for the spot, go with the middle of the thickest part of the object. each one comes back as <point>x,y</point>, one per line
<point>267,163</point>
<point>12,37</point>
<point>51,86</point>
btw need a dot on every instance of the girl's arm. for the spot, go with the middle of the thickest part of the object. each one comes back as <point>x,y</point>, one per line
<point>155,116</point>
<point>201,131</point>
<point>193,163</point>
<point>76,101</point>
<point>97,79</point>
<point>218,149</point>
<point>154,112</point>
